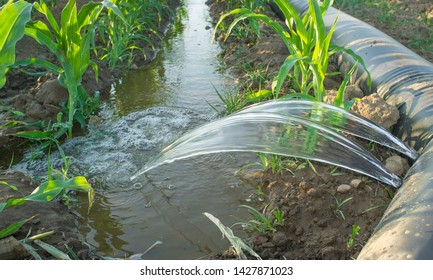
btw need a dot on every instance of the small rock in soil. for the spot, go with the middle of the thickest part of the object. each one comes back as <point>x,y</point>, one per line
<point>397,165</point>
<point>52,93</point>
<point>374,108</point>
<point>355,183</point>
<point>312,192</point>
<point>344,188</point>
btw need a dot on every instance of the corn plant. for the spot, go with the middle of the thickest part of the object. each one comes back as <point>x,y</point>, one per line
<point>13,18</point>
<point>355,233</point>
<point>45,192</point>
<point>338,204</point>
<point>261,223</point>
<point>124,37</point>
<point>307,41</point>
<point>70,41</point>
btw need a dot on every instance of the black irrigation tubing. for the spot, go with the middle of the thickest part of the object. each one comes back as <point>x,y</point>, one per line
<point>405,79</point>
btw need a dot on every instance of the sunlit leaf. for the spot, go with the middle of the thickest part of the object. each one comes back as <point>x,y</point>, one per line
<point>13,18</point>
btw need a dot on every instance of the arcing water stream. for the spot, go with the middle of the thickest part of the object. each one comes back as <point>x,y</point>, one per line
<point>297,128</point>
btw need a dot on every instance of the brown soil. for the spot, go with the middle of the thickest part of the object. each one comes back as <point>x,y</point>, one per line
<point>312,229</point>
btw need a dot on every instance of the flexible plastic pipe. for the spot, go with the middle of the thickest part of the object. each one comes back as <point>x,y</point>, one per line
<point>405,79</point>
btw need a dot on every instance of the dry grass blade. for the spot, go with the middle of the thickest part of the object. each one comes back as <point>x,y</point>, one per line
<point>236,242</point>
<point>52,250</point>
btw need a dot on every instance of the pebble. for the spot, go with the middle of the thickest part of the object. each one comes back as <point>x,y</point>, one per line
<point>312,192</point>
<point>344,188</point>
<point>355,183</point>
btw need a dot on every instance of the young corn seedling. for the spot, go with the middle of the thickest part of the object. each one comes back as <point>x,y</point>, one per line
<point>70,42</point>
<point>338,211</point>
<point>308,43</point>
<point>261,223</point>
<point>355,233</point>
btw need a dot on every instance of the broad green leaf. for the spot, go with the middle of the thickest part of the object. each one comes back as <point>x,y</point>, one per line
<point>40,63</point>
<point>319,24</point>
<point>290,12</point>
<point>13,18</point>
<point>288,64</point>
<point>85,15</point>
<point>41,36</point>
<point>112,6</point>
<point>339,98</point>
<point>52,188</point>
<point>300,96</point>
<point>34,135</point>
<point>13,228</point>
<point>258,95</point>
<point>11,187</point>
<point>43,9</point>
<point>357,58</point>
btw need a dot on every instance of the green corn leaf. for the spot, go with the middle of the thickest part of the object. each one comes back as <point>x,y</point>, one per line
<point>300,96</point>
<point>52,188</point>
<point>288,64</point>
<point>38,31</point>
<point>339,98</point>
<point>43,9</point>
<point>319,24</point>
<point>290,12</point>
<point>87,14</point>
<point>11,187</point>
<point>34,135</point>
<point>40,63</point>
<point>69,13</point>
<point>356,57</point>
<point>112,7</point>
<point>13,228</point>
<point>13,18</point>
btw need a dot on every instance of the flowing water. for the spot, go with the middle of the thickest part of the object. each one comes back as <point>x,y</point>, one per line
<point>149,109</point>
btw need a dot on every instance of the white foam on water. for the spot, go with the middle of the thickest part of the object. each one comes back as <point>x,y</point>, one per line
<point>113,150</point>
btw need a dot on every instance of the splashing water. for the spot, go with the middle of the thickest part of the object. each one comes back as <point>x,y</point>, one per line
<point>308,131</point>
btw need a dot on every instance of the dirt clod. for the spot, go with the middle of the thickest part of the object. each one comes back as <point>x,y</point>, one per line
<point>397,165</point>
